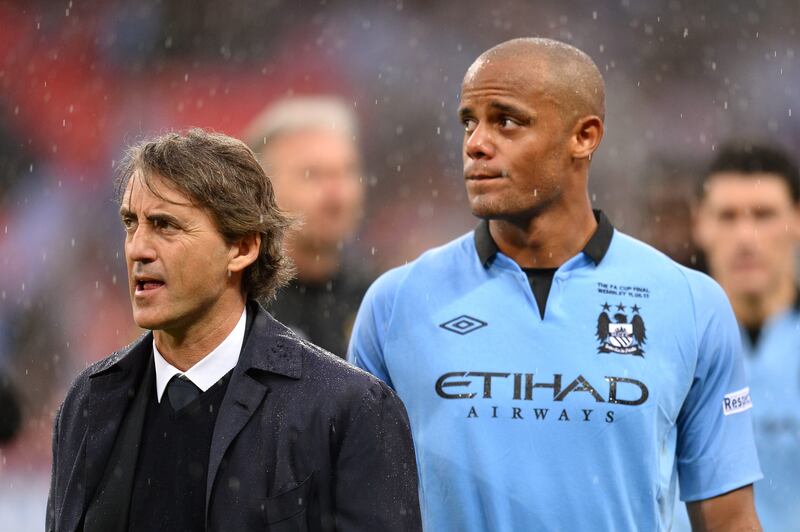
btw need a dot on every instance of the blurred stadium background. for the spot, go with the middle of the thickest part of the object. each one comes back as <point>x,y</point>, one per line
<point>79,80</point>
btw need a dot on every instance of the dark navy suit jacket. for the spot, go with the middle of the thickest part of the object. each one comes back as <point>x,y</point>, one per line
<point>302,441</point>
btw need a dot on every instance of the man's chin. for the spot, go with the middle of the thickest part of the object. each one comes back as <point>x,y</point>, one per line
<point>748,286</point>
<point>326,242</point>
<point>146,320</point>
<point>495,210</point>
<point>486,209</point>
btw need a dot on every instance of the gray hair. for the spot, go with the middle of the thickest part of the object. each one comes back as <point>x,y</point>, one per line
<point>299,114</point>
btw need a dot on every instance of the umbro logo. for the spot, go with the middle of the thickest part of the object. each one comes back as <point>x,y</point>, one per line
<point>463,324</point>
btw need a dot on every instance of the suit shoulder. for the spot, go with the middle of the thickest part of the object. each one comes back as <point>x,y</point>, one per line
<point>79,388</point>
<point>337,376</point>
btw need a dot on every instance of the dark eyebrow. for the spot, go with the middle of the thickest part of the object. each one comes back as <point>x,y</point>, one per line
<point>505,108</point>
<point>509,109</point>
<point>124,212</point>
<point>163,217</point>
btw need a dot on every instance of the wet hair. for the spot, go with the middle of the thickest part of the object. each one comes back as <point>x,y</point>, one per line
<point>221,175</point>
<point>750,158</point>
<point>300,114</point>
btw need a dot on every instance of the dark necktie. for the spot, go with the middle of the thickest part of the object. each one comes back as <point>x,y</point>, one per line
<point>181,391</point>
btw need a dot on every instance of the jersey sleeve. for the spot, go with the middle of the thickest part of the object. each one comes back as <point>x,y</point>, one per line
<point>367,341</point>
<point>716,451</point>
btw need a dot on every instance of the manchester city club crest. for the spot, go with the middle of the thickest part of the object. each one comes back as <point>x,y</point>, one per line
<point>623,333</point>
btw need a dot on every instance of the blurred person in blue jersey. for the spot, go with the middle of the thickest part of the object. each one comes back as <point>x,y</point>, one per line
<point>309,150</point>
<point>558,374</point>
<point>747,223</point>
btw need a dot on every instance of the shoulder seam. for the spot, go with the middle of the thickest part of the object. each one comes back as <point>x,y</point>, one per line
<point>682,271</point>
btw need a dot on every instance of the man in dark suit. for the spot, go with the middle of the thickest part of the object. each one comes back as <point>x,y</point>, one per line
<point>220,418</point>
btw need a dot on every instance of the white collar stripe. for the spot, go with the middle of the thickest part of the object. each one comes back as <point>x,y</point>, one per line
<point>210,369</point>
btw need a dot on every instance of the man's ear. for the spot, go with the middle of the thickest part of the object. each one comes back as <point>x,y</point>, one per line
<point>244,252</point>
<point>586,136</point>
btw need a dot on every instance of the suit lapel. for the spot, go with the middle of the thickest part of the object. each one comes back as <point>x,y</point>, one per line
<point>268,347</point>
<point>111,390</point>
<point>110,506</point>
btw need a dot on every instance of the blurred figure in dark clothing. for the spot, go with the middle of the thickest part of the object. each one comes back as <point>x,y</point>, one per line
<point>10,411</point>
<point>748,224</point>
<point>308,148</point>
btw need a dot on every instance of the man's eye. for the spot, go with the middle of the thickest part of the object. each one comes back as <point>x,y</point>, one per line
<point>764,214</point>
<point>162,224</point>
<point>507,123</point>
<point>469,125</point>
<point>128,223</point>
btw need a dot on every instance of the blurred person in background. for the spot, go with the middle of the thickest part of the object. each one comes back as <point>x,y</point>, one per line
<point>747,222</point>
<point>667,200</point>
<point>219,417</point>
<point>558,374</point>
<point>308,148</point>
<point>10,409</point>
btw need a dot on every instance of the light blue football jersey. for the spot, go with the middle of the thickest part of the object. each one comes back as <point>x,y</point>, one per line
<point>583,420</point>
<point>772,367</point>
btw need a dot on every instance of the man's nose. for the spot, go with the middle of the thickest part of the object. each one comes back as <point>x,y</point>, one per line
<point>479,144</point>
<point>139,245</point>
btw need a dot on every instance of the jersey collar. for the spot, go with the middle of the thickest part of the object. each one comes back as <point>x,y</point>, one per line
<point>595,248</point>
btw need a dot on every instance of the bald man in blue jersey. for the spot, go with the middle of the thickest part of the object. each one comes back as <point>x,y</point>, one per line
<point>558,374</point>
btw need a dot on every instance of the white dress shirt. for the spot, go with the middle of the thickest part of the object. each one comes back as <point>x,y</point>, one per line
<point>210,369</point>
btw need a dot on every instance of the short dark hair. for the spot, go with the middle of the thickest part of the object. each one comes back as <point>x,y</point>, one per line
<point>743,157</point>
<point>222,175</point>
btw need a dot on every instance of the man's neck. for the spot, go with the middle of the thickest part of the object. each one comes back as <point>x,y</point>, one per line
<point>546,240</point>
<point>183,347</point>
<point>315,264</point>
<point>752,311</point>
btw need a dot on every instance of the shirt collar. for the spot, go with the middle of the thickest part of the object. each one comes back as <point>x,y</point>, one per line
<point>210,369</point>
<point>595,248</point>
